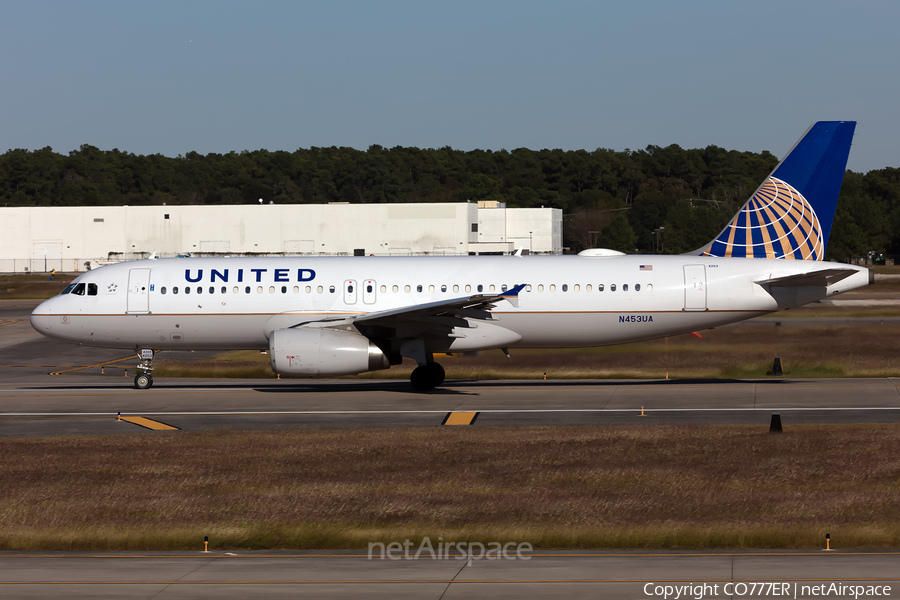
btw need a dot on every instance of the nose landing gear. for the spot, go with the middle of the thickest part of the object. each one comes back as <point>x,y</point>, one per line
<point>144,379</point>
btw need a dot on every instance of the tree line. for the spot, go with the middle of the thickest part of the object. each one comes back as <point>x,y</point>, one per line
<point>667,200</point>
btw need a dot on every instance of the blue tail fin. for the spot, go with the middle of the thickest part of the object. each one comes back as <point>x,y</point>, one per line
<point>790,215</point>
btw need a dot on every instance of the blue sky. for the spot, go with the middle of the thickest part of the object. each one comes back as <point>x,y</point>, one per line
<point>172,77</point>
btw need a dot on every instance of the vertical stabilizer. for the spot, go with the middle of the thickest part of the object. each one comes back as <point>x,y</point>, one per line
<point>791,213</point>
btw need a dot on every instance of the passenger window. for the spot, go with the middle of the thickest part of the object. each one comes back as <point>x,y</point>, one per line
<point>271,289</point>
<point>224,290</point>
<point>430,288</point>
<point>175,290</point>
<point>455,288</point>
<point>187,290</point>
<point>480,288</point>
<point>320,289</point>
<point>612,287</point>
<point>259,289</point>
<point>625,287</point>
<point>247,290</point>
<point>296,289</point>
<point>309,289</point>
<point>395,289</point>
<point>349,289</point>
<point>528,288</point>
<point>540,287</point>
<point>493,287</point>
<point>92,289</point>
<point>162,290</point>
<point>649,287</point>
<point>444,288</point>
<point>468,288</point>
<point>369,289</point>
<point>637,287</point>
<point>383,289</point>
<point>599,287</point>
<point>576,288</point>
<point>587,288</point>
<point>284,289</point>
<point>199,290</point>
<point>236,290</point>
<point>406,288</point>
<point>418,288</point>
<point>565,287</point>
<point>552,287</point>
<point>212,290</point>
<point>503,288</point>
<point>78,290</point>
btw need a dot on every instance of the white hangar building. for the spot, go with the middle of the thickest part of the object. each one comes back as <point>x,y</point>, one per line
<point>76,238</point>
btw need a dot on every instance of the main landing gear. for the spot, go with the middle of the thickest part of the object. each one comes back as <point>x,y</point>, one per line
<point>144,378</point>
<point>427,377</point>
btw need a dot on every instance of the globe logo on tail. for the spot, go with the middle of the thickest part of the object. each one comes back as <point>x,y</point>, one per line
<point>777,222</point>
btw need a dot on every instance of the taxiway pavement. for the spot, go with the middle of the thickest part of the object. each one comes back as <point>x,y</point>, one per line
<point>544,574</point>
<point>53,388</point>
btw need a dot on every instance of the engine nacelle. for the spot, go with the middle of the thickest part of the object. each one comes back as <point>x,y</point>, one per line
<point>318,352</point>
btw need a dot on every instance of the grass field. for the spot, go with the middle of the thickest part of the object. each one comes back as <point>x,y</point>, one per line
<point>33,286</point>
<point>555,487</point>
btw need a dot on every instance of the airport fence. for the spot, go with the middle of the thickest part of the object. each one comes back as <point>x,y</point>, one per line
<point>80,265</point>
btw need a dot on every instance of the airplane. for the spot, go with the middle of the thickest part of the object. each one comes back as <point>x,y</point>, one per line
<point>330,316</point>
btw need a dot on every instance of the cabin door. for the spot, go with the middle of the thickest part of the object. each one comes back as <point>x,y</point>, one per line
<point>138,291</point>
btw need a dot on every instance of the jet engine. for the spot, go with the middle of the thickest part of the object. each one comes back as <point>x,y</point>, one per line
<point>318,352</point>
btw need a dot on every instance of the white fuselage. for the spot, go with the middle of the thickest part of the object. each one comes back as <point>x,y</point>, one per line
<point>235,303</point>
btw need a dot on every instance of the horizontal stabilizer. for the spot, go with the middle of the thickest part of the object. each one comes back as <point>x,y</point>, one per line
<point>825,277</point>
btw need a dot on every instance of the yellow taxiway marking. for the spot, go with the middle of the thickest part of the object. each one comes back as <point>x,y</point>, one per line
<point>149,423</point>
<point>460,418</point>
<point>102,364</point>
<point>11,322</point>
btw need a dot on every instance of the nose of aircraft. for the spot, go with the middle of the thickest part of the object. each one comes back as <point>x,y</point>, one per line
<point>42,317</point>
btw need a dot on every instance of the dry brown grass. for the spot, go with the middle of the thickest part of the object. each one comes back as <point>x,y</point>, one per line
<point>567,487</point>
<point>731,352</point>
<point>27,287</point>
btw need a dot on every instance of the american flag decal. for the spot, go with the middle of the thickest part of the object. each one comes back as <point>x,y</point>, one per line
<point>646,268</point>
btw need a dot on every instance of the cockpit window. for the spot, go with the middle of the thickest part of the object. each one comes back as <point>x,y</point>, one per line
<point>68,289</point>
<point>92,289</point>
<point>78,290</point>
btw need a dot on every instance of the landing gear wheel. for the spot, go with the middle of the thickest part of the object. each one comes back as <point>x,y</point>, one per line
<point>143,381</point>
<point>423,379</point>
<point>437,372</point>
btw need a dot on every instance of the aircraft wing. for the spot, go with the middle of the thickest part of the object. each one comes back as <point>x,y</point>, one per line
<point>823,277</point>
<point>433,317</point>
<point>478,307</point>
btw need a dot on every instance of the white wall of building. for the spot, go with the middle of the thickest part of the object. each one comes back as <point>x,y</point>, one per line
<point>40,238</point>
<point>538,230</point>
